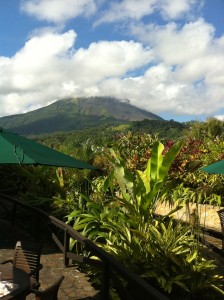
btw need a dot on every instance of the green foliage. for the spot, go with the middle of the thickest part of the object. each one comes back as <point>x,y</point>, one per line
<point>139,192</point>
<point>165,254</point>
<point>188,176</point>
<point>177,262</point>
<point>115,210</point>
<point>209,130</point>
<point>165,130</point>
<point>124,193</point>
<point>134,148</point>
<point>122,222</point>
<point>62,207</point>
<point>29,181</point>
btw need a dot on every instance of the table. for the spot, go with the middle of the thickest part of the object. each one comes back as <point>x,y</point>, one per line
<point>15,275</point>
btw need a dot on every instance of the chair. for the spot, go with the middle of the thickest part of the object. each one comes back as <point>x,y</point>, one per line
<point>50,293</point>
<point>27,257</point>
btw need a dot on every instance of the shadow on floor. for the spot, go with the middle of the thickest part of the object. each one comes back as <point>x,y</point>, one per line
<point>76,285</point>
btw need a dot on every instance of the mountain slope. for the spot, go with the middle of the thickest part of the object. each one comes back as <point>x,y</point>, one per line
<point>75,114</point>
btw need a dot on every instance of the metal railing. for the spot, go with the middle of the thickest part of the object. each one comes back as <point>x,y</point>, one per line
<point>128,285</point>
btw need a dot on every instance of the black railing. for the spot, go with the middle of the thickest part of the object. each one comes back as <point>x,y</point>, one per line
<point>215,234</point>
<point>128,285</point>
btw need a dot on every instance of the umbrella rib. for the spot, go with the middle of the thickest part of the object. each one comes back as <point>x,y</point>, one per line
<point>15,152</point>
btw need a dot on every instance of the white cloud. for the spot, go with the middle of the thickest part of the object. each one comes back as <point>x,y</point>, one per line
<point>175,80</point>
<point>171,68</point>
<point>175,9</point>
<point>158,91</point>
<point>136,10</point>
<point>58,11</point>
<point>108,59</point>
<point>220,117</point>
<point>36,62</point>
<point>126,9</point>
<point>194,59</point>
<point>48,67</point>
<point>174,44</point>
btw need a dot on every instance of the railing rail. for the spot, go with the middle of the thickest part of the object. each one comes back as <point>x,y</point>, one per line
<point>128,284</point>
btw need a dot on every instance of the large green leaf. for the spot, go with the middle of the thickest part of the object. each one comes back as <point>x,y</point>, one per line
<point>168,159</point>
<point>143,181</point>
<point>123,176</point>
<point>156,159</point>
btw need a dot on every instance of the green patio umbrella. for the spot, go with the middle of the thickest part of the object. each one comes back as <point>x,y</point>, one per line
<point>16,149</point>
<point>215,168</point>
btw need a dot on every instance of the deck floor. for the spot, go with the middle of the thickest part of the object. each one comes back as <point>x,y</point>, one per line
<point>76,284</point>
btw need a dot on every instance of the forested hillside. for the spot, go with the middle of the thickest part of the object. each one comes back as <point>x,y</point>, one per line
<point>105,134</point>
<point>75,114</point>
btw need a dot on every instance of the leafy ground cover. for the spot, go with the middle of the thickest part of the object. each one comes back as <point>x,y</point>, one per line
<point>114,206</point>
<point>163,253</point>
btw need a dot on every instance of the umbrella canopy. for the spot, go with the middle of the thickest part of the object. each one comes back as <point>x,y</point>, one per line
<point>216,168</point>
<point>16,149</point>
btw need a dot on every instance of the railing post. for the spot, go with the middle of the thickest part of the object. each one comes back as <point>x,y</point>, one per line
<point>106,281</point>
<point>66,247</point>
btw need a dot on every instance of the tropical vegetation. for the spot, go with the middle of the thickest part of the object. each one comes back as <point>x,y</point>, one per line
<point>115,205</point>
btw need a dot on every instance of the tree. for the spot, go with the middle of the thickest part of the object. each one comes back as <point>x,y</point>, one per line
<point>211,129</point>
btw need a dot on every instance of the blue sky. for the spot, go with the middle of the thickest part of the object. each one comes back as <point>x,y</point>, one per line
<point>164,56</point>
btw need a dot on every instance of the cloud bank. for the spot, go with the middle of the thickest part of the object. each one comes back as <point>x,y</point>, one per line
<point>167,67</point>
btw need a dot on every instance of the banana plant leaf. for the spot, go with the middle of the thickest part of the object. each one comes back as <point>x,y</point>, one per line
<point>215,168</point>
<point>16,149</point>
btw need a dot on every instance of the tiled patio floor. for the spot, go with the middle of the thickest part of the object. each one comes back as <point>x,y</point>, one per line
<point>76,285</point>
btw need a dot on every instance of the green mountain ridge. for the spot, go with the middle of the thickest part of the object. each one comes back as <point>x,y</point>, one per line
<point>75,114</point>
